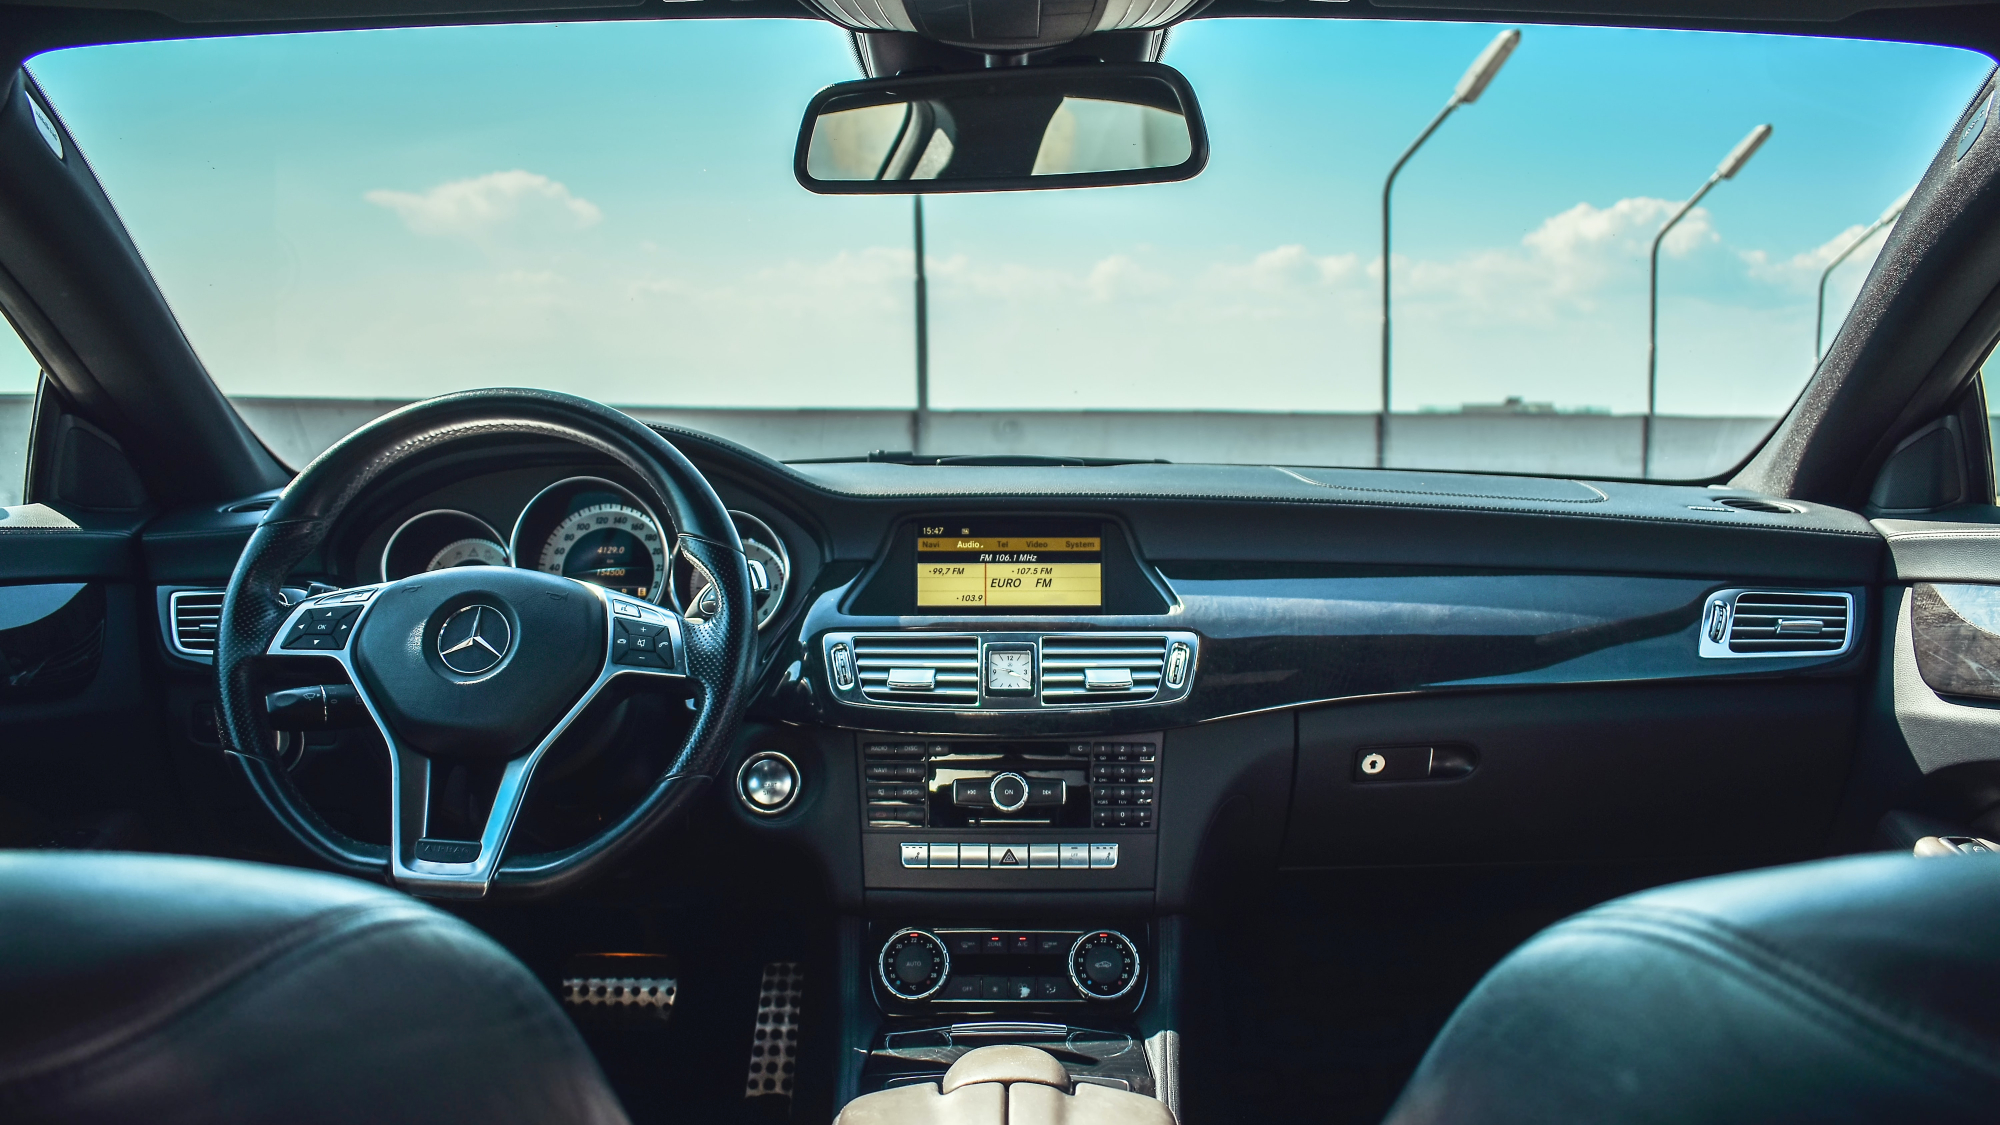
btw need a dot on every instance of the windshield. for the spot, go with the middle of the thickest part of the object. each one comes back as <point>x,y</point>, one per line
<point>345,221</point>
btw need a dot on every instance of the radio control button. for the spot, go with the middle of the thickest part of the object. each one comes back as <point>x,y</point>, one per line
<point>1010,792</point>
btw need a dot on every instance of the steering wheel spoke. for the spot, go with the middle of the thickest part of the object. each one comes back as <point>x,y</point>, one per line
<point>468,647</point>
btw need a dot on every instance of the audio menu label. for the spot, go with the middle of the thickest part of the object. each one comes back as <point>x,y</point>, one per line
<point>974,565</point>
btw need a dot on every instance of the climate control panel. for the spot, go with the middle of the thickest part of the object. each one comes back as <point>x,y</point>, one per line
<point>974,967</point>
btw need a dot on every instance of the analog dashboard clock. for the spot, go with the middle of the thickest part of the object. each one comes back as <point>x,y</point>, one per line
<point>1010,671</point>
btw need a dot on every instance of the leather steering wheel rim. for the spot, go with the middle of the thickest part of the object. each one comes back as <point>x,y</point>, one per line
<point>718,649</point>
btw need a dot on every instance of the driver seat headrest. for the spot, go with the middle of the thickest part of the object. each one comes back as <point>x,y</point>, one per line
<point>1005,1085</point>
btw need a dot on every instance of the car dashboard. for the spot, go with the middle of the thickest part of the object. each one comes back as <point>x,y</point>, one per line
<point>1015,721</point>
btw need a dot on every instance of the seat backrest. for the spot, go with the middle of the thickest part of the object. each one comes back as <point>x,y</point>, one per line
<point>167,989</point>
<point>1854,990</point>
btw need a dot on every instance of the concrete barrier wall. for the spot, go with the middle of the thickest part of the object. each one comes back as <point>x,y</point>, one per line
<point>1582,444</point>
<point>297,429</point>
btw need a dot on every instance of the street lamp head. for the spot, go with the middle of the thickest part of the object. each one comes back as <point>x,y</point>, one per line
<point>1480,74</point>
<point>1741,154</point>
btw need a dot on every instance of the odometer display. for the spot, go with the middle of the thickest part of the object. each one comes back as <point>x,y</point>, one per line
<point>612,545</point>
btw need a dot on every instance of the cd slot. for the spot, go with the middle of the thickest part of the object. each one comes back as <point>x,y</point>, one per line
<point>1012,784</point>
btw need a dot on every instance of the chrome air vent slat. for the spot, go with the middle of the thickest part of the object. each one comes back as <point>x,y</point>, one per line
<point>921,669</point>
<point>194,616</point>
<point>1067,660</point>
<point>1071,671</point>
<point>1777,623</point>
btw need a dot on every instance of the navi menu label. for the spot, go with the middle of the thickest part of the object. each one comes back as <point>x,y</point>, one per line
<point>1014,566</point>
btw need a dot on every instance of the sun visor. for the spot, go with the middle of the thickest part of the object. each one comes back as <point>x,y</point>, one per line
<point>1003,25</point>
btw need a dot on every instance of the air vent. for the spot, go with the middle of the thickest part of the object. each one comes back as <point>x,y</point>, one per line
<point>1751,504</point>
<point>196,614</point>
<point>1748,623</point>
<point>918,668</point>
<point>1085,670</point>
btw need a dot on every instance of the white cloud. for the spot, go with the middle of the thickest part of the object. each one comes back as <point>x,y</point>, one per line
<point>483,205</point>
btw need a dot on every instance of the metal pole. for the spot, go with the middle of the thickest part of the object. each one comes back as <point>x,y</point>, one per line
<point>920,419</point>
<point>1382,419</point>
<point>1819,318</point>
<point>1653,326</point>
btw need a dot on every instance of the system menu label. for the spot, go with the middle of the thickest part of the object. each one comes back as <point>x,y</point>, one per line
<point>964,565</point>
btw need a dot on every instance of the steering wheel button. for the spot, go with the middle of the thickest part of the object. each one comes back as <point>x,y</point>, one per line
<point>624,610</point>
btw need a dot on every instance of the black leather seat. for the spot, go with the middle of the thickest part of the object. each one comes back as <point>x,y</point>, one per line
<point>162,989</point>
<point>1851,990</point>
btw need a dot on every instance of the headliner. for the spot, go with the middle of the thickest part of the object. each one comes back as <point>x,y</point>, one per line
<point>28,29</point>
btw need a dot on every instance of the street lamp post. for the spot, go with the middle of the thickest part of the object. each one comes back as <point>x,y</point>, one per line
<point>1731,164</point>
<point>1474,82</point>
<point>1894,212</point>
<point>921,417</point>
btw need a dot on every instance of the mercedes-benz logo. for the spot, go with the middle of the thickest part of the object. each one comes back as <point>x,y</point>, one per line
<point>474,639</point>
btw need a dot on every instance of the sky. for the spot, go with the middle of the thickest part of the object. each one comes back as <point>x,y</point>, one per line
<point>610,209</point>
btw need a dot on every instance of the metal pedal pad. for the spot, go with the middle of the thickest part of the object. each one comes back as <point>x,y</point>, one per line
<point>630,984</point>
<point>775,1047</point>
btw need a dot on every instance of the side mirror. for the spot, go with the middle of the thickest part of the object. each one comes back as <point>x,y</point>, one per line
<point>1096,125</point>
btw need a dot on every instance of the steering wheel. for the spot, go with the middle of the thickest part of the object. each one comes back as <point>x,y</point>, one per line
<point>483,663</point>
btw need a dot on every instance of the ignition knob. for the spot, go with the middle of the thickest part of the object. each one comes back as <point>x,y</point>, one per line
<point>768,783</point>
<point>914,964</point>
<point>1104,964</point>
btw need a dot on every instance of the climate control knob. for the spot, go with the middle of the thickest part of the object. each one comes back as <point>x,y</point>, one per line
<point>913,964</point>
<point>1104,964</point>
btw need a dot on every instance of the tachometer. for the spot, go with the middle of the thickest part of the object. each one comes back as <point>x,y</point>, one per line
<point>613,545</point>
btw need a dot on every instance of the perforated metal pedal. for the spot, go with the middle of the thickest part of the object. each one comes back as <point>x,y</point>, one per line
<point>775,1045</point>
<point>655,993</point>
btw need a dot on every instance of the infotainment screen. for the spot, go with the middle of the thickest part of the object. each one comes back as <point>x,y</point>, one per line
<point>1010,566</point>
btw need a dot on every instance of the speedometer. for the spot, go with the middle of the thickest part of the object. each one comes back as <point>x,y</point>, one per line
<point>612,545</point>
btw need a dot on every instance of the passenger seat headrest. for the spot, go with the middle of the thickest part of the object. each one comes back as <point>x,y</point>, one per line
<point>1009,1064</point>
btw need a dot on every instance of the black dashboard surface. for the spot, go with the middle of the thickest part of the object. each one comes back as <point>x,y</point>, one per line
<point>1306,584</point>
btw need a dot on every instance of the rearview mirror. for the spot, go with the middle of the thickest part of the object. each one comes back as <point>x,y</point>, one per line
<point>1098,125</point>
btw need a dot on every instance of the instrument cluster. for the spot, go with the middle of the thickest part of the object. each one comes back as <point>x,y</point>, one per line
<point>593,530</point>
